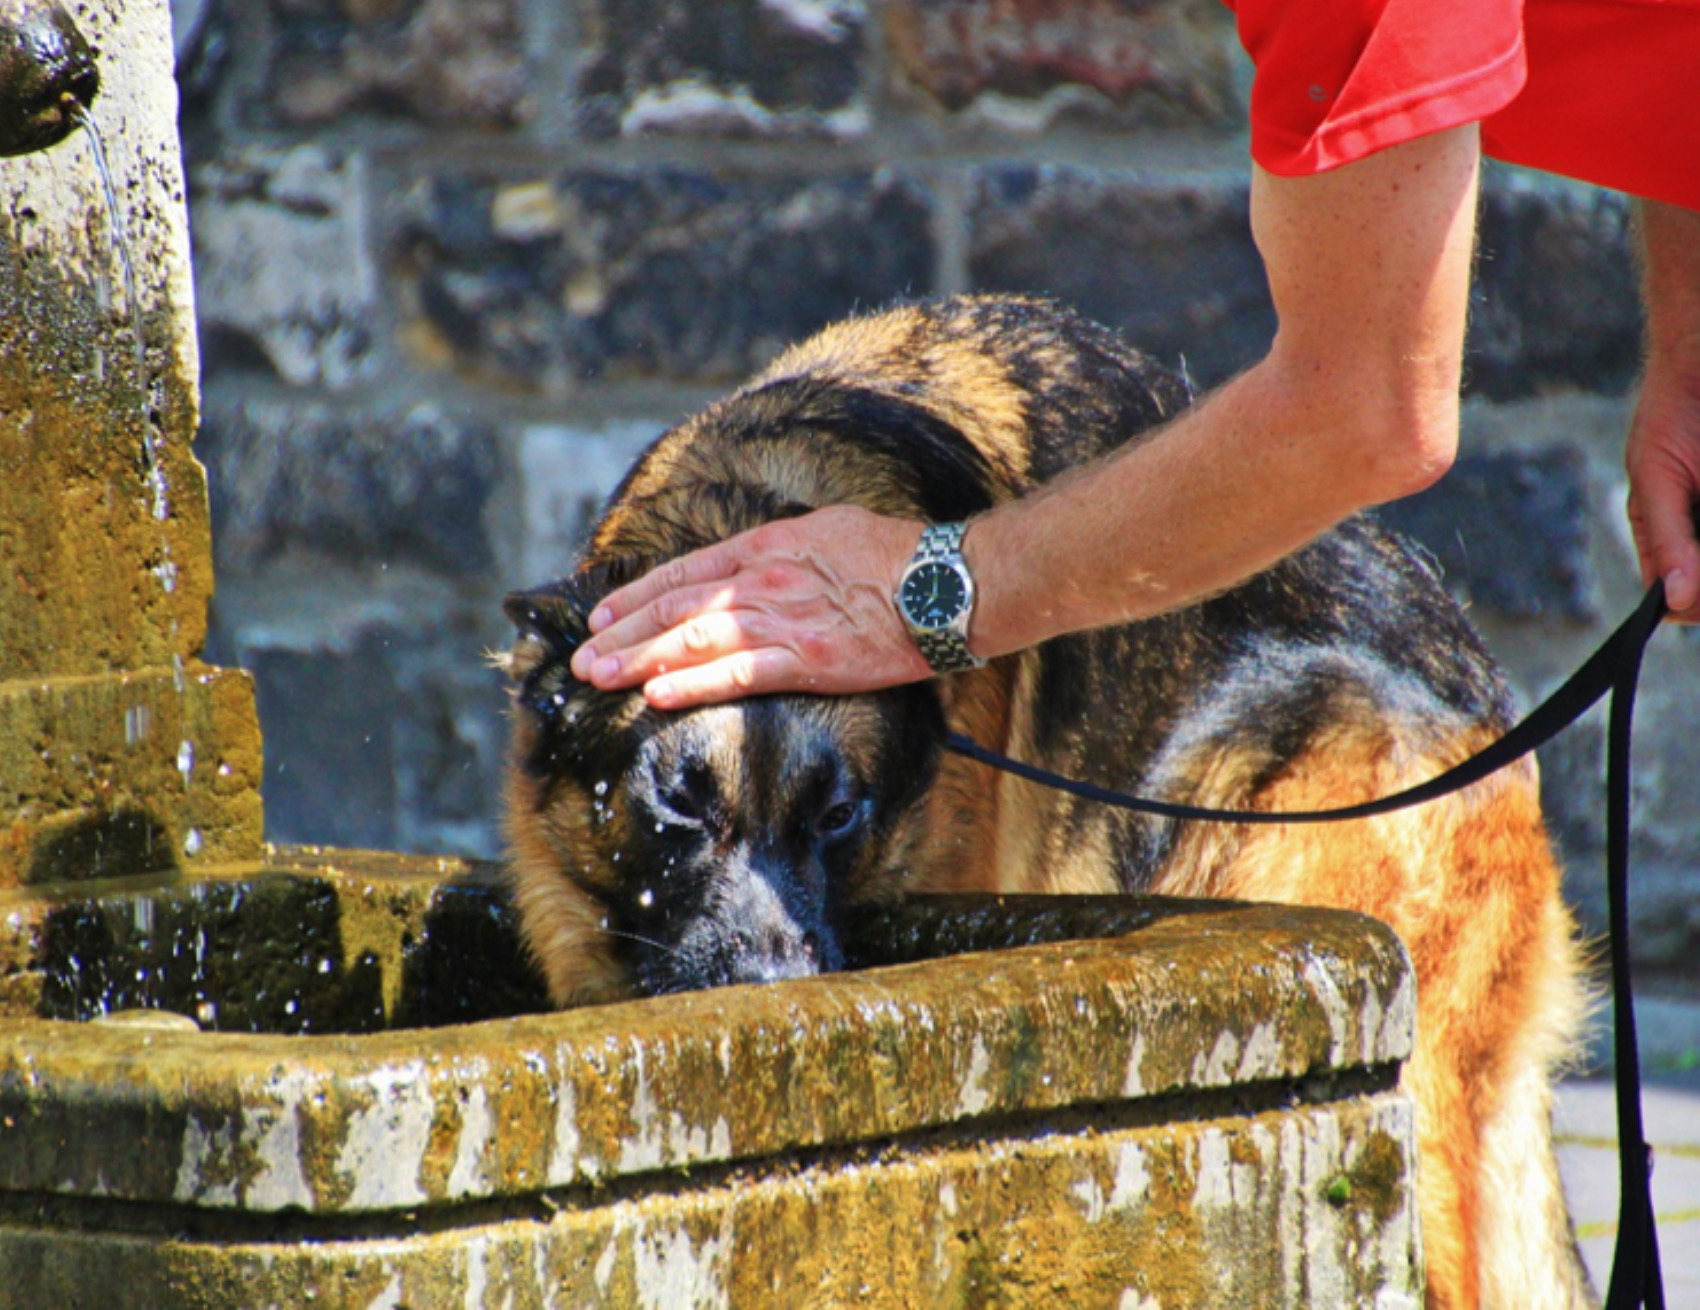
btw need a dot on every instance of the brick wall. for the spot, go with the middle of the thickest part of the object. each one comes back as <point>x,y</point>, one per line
<point>458,259</point>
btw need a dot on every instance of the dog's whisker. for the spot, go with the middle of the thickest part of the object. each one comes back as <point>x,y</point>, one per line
<point>654,942</point>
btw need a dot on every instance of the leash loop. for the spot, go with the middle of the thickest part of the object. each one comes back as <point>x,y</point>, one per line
<point>1636,1279</point>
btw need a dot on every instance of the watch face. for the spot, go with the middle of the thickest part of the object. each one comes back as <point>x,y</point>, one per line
<point>934,594</point>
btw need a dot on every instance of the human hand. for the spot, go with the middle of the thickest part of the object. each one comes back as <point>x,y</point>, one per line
<point>1663,458</point>
<point>800,604</point>
<point>1663,452</point>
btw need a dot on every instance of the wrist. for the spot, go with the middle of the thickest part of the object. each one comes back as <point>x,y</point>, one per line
<point>1670,263</point>
<point>1014,605</point>
<point>935,599</point>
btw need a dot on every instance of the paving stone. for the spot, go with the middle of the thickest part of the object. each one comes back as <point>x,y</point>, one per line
<point>1171,263</point>
<point>642,272</point>
<point>1670,1115</point>
<point>1586,1123</point>
<point>741,67</point>
<point>1027,62</point>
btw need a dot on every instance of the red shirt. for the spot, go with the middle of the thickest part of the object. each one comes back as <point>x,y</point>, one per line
<point>1603,90</point>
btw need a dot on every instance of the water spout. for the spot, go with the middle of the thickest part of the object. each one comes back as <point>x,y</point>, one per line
<point>47,73</point>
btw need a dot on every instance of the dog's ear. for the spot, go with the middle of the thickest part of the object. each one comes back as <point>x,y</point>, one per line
<point>553,622</point>
<point>554,619</point>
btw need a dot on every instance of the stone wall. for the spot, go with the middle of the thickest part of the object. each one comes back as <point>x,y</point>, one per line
<point>457,260</point>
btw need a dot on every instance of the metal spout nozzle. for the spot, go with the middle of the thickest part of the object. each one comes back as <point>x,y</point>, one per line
<point>47,72</point>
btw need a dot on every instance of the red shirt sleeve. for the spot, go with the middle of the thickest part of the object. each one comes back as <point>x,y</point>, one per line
<point>1612,97</point>
<point>1601,90</point>
<point>1339,80</point>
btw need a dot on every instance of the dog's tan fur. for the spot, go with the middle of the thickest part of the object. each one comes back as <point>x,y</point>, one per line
<point>1469,882</point>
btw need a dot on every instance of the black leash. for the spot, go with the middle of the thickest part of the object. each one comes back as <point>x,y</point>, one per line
<point>1615,667</point>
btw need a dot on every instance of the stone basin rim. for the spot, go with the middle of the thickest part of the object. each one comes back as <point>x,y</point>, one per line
<point>538,1102</point>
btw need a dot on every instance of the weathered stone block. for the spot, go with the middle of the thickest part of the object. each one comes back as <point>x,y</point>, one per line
<point>457,63</point>
<point>1512,531</point>
<point>1170,263</point>
<point>203,35</point>
<point>119,751</point>
<point>738,68</point>
<point>1664,871</point>
<point>645,272</point>
<point>991,1127</point>
<point>284,272</point>
<point>1555,303</point>
<point>129,773</point>
<point>1025,62</point>
<point>384,724</point>
<point>328,717</point>
<point>450,742</point>
<point>565,475</point>
<point>103,528</point>
<point>365,487</point>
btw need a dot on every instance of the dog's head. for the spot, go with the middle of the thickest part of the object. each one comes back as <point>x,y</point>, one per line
<point>664,852</point>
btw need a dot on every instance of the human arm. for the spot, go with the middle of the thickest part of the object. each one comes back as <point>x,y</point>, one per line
<point>1356,403</point>
<point>1663,451</point>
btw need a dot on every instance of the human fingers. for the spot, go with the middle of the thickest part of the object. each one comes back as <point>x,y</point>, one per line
<point>1663,461</point>
<point>626,621</point>
<point>741,673</point>
<point>812,660</point>
<point>680,629</point>
<point>709,564</point>
<point>1662,518</point>
<point>796,604</point>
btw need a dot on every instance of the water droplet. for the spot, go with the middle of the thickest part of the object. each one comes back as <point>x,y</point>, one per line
<point>602,788</point>
<point>646,898</point>
<point>186,760</point>
<point>193,842</point>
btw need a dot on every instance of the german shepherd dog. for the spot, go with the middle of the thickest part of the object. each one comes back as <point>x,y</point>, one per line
<point>659,852</point>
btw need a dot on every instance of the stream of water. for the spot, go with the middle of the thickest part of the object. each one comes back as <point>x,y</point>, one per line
<point>148,410</point>
<point>121,245</point>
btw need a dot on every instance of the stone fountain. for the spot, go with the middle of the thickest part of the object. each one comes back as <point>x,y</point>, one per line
<point>235,1076</point>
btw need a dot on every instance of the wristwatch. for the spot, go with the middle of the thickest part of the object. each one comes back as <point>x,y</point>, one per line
<point>935,599</point>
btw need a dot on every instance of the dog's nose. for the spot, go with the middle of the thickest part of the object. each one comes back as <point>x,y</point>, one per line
<point>777,951</point>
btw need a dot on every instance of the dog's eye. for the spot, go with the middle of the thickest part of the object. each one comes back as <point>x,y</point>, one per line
<point>681,806</point>
<point>690,800</point>
<point>838,819</point>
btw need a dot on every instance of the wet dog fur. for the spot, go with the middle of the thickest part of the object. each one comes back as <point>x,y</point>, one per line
<point>659,852</point>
